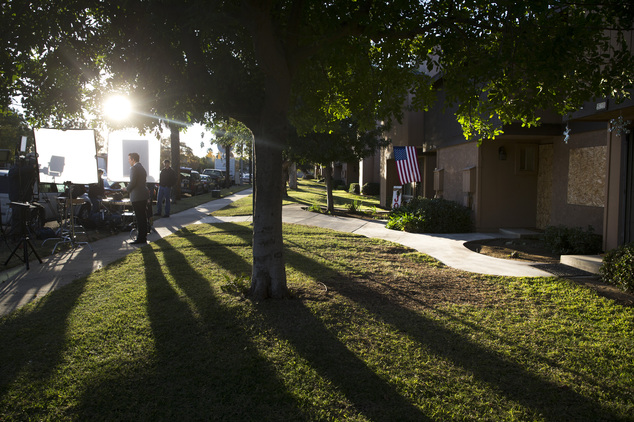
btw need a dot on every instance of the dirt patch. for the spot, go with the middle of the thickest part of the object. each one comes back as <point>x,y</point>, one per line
<point>606,290</point>
<point>533,250</point>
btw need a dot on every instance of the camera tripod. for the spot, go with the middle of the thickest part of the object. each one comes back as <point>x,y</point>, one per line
<point>24,242</point>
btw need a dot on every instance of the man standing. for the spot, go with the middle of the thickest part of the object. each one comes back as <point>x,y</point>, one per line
<point>139,195</point>
<point>166,181</point>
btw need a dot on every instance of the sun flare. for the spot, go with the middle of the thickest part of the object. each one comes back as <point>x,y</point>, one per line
<point>117,107</point>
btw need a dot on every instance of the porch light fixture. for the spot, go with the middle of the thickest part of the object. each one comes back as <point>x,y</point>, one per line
<point>502,153</point>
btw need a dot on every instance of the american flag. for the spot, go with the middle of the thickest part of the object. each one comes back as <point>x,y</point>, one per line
<point>407,164</point>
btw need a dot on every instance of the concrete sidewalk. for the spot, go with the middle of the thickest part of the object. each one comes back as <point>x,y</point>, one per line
<point>19,286</point>
<point>449,248</point>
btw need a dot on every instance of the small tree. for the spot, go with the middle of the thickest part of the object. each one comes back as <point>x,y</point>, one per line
<point>346,143</point>
<point>230,133</point>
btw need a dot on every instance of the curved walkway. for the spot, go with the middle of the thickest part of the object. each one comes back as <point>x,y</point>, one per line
<point>447,248</point>
<point>18,286</point>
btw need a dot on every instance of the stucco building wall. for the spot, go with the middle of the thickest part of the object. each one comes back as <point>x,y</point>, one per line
<point>579,181</point>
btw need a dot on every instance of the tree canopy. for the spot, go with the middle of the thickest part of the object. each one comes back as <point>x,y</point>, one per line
<point>503,61</point>
<point>13,127</point>
<point>276,64</point>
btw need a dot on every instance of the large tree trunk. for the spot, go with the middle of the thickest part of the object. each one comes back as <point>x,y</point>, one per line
<point>227,181</point>
<point>175,147</point>
<point>292,176</point>
<point>268,278</point>
<point>327,169</point>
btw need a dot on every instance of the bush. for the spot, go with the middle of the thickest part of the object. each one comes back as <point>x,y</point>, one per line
<point>371,189</point>
<point>564,240</point>
<point>422,215</point>
<point>315,208</point>
<point>354,188</point>
<point>618,267</point>
<point>354,206</point>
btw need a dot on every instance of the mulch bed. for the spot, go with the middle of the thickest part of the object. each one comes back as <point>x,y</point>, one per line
<point>533,250</point>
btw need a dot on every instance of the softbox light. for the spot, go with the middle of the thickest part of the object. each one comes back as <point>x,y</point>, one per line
<point>120,144</point>
<point>66,155</point>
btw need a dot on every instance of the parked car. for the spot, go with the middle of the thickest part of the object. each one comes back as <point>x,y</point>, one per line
<point>207,182</point>
<point>212,172</point>
<point>190,181</point>
<point>215,173</point>
<point>220,176</point>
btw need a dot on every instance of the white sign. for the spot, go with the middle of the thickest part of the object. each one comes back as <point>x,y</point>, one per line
<point>397,196</point>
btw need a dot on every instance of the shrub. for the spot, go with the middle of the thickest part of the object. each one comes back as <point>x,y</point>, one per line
<point>371,189</point>
<point>354,188</point>
<point>422,215</point>
<point>354,206</point>
<point>618,267</point>
<point>564,240</point>
<point>315,208</point>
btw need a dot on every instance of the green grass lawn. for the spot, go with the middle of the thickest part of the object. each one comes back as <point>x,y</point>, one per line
<point>374,332</point>
<point>310,193</point>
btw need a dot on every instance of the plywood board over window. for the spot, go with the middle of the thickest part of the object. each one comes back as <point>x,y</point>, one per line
<point>586,176</point>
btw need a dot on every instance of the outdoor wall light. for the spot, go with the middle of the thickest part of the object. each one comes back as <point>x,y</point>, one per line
<point>502,153</point>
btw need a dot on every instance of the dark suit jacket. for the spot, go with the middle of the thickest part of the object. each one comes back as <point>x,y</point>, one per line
<point>137,187</point>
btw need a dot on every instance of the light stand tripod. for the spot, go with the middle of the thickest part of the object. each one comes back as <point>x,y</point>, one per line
<point>68,232</point>
<point>25,242</point>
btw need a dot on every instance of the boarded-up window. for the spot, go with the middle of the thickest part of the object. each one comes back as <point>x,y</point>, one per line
<point>586,176</point>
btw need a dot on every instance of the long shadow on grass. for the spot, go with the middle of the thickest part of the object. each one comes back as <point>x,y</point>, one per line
<point>370,395</point>
<point>550,400</point>
<point>325,353</point>
<point>203,367</point>
<point>33,340</point>
<point>227,260</point>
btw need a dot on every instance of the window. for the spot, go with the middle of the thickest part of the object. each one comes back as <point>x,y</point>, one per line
<point>526,159</point>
